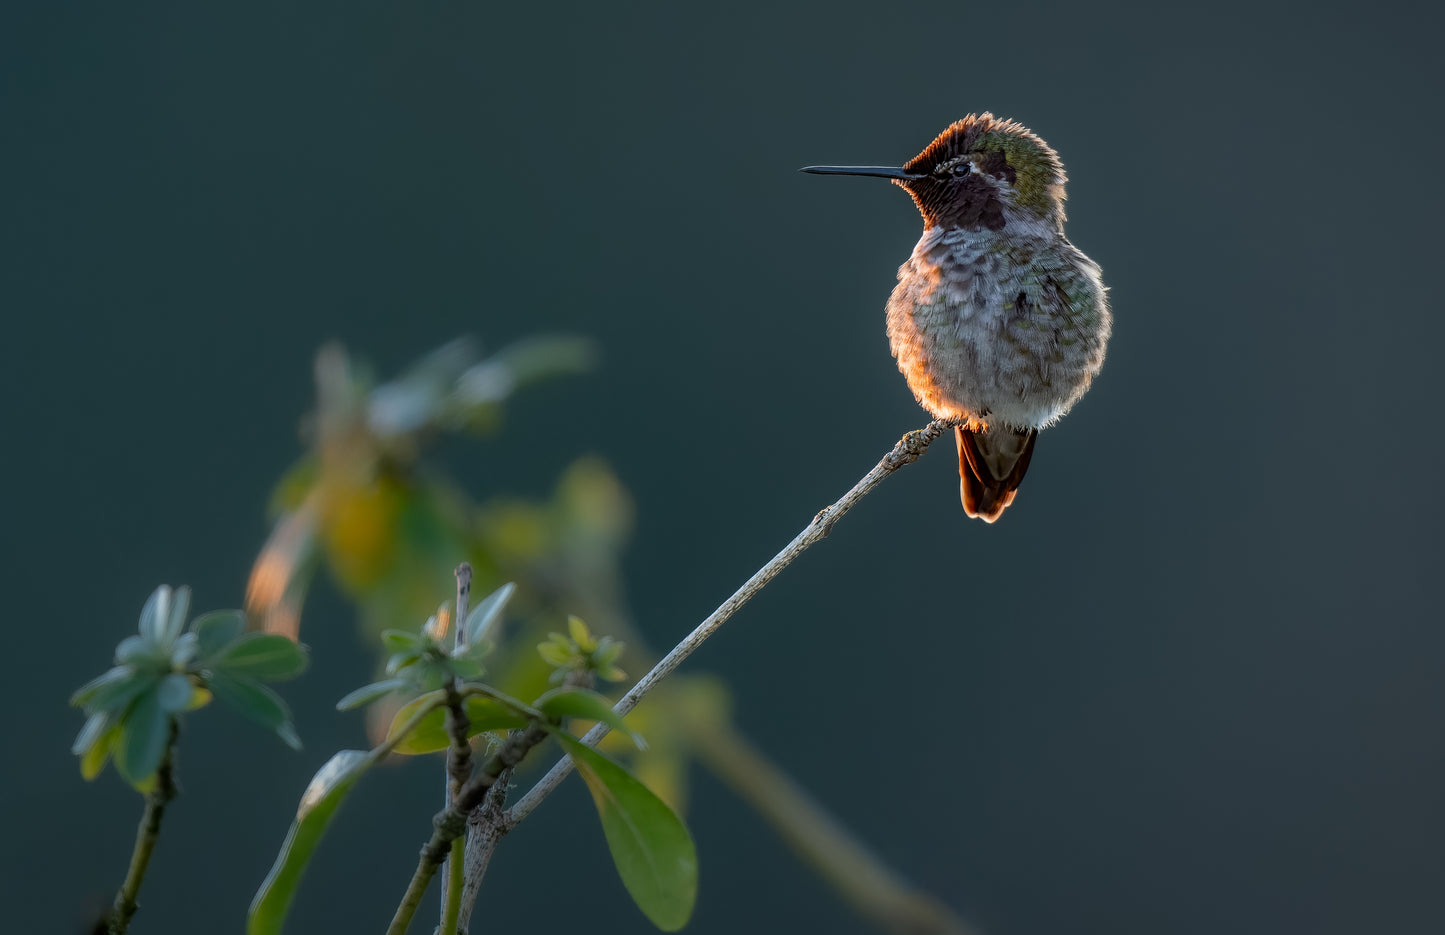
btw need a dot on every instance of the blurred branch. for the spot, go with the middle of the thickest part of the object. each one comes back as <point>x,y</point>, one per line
<point>908,450</point>
<point>159,796</point>
<point>858,875</point>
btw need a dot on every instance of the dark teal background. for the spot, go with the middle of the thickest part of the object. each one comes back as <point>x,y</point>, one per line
<point>1192,682</point>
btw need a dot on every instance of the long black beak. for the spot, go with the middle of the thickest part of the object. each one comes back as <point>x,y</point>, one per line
<point>879,172</point>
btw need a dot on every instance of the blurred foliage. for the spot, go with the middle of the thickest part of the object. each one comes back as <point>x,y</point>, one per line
<point>368,504</point>
<point>579,652</point>
<point>167,669</point>
<point>650,846</point>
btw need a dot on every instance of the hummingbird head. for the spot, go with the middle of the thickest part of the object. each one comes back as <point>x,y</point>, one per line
<point>975,170</point>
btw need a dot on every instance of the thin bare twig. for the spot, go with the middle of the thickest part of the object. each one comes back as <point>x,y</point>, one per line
<point>484,831</point>
<point>451,822</point>
<point>459,754</point>
<point>908,450</point>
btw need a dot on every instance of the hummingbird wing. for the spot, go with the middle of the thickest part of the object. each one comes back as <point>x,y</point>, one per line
<point>991,465</point>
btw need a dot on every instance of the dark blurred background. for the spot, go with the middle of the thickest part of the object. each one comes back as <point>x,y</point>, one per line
<point>1192,682</point>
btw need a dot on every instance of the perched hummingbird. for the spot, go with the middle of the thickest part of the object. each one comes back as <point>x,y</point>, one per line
<point>997,321</point>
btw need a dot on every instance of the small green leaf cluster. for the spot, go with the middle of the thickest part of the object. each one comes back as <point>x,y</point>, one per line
<point>167,669</point>
<point>650,845</point>
<point>580,651</point>
<point>421,662</point>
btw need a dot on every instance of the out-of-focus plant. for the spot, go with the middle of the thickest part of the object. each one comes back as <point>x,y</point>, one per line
<point>650,847</point>
<point>369,503</point>
<point>164,671</point>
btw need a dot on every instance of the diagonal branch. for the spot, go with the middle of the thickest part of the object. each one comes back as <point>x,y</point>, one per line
<point>908,450</point>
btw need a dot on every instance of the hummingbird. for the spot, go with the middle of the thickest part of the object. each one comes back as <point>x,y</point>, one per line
<point>998,322</point>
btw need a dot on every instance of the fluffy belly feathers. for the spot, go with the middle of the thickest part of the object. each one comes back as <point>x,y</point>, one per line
<point>990,332</point>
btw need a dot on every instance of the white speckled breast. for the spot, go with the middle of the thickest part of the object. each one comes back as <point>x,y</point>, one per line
<point>989,328</point>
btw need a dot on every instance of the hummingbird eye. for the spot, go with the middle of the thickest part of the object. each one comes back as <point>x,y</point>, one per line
<point>956,170</point>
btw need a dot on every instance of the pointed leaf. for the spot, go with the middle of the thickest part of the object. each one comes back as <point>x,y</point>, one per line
<point>143,738</point>
<point>257,702</point>
<point>430,735</point>
<point>107,680</point>
<point>579,702</point>
<point>577,629</point>
<point>216,630</point>
<point>288,735</point>
<point>267,656</point>
<point>401,660</point>
<point>154,613</point>
<point>323,796</point>
<point>114,696</point>
<point>174,620</point>
<point>650,846</point>
<point>480,620</point>
<point>94,759</point>
<point>366,694</point>
<point>94,727</point>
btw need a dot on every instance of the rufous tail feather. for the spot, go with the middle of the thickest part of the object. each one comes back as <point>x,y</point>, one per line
<point>991,465</point>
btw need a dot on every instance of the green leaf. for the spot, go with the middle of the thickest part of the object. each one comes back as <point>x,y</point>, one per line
<point>183,650</point>
<point>175,619</point>
<point>323,796</point>
<point>108,679</point>
<point>544,356</point>
<point>115,696</point>
<point>430,735</point>
<point>143,739</point>
<point>577,629</point>
<point>138,649</point>
<point>268,656</point>
<point>476,651</point>
<point>95,726</point>
<point>257,702</point>
<point>366,694</point>
<point>607,652</point>
<point>468,670</point>
<point>93,761</point>
<point>216,630</point>
<point>154,613</point>
<point>400,641</point>
<point>580,702</point>
<point>479,621</point>
<point>174,692</point>
<point>401,660</point>
<point>650,846</point>
<point>555,654</point>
